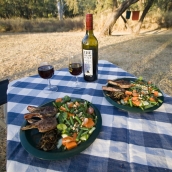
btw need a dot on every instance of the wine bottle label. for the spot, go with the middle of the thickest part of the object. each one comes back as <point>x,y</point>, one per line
<point>88,62</point>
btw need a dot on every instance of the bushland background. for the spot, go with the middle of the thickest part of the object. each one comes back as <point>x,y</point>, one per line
<point>67,15</point>
<point>28,27</point>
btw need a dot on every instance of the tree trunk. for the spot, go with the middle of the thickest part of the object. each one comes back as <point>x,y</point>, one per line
<point>60,9</point>
<point>145,11</point>
<point>115,4</point>
<point>126,24</point>
<point>107,29</point>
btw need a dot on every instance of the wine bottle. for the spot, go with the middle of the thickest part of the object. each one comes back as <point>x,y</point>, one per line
<point>90,52</point>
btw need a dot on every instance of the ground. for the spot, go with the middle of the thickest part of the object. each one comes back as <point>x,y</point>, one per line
<point>148,55</point>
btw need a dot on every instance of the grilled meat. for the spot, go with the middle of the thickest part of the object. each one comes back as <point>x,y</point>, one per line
<point>49,140</point>
<point>117,95</point>
<point>43,125</point>
<point>48,111</point>
<point>42,118</point>
<point>120,83</point>
<point>29,116</point>
<point>105,88</point>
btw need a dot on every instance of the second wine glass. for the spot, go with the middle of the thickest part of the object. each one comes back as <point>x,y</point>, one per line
<point>75,68</point>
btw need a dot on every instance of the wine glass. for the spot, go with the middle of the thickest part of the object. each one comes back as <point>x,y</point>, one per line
<point>75,68</point>
<point>46,71</point>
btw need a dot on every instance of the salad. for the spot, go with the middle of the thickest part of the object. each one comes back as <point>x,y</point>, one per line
<point>142,94</point>
<point>76,121</point>
<point>138,93</point>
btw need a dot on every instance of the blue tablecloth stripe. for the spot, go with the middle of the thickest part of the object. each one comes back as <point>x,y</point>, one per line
<point>15,118</point>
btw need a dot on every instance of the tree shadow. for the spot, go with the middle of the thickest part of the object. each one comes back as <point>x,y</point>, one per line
<point>149,56</point>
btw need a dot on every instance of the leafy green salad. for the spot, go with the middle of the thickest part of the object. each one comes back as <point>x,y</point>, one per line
<point>76,121</point>
<point>142,94</point>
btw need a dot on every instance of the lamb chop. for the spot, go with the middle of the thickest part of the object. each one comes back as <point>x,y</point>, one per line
<point>46,110</point>
<point>42,118</point>
<point>43,125</point>
<point>105,88</point>
<point>120,83</point>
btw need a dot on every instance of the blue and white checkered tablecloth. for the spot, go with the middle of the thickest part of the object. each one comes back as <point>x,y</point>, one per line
<point>127,141</point>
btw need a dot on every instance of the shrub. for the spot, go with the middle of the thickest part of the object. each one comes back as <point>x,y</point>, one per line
<point>41,25</point>
<point>163,19</point>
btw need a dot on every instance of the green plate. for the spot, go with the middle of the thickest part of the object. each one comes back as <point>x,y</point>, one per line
<point>127,107</point>
<point>30,138</point>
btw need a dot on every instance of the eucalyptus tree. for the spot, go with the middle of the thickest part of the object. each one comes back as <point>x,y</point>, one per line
<point>27,8</point>
<point>6,9</point>
<point>164,5</point>
<point>145,11</point>
<point>60,8</point>
<point>79,7</point>
<point>117,12</point>
<point>103,5</point>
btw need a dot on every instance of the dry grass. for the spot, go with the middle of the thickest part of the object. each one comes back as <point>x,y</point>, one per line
<point>41,25</point>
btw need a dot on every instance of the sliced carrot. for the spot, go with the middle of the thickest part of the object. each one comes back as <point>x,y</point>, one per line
<point>67,140</point>
<point>155,93</point>
<point>135,94</point>
<point>126,98</point>
<point>134,98</point>
<point>70,105</point>
<point>128,93</point>
<point>90,123</point>
<point>58,100</point>
<point>74,136</point>
<point>70,114</point>
<point>149,82</point>
<point>71,145</point>
<point>134,91</point>
<point>62,108</point>
<point>152,99</point>
<point>136,102</point>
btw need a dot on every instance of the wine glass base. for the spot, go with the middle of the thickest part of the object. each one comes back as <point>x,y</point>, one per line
<point>48,90</point>
<point>76,85</point>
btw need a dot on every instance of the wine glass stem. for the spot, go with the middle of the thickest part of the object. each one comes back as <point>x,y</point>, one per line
<point>49,83</point>
<point>76,80</point>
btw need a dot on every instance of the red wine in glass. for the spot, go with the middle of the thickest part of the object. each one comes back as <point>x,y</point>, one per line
<point>46,71</point>
<point>75,69</point>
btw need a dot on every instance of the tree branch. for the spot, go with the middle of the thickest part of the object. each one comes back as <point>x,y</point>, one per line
<point>145,11</point>
<point>107,29</point>
<point>126,24</point>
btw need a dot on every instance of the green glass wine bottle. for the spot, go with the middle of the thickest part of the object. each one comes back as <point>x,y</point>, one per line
<point>90,52</point>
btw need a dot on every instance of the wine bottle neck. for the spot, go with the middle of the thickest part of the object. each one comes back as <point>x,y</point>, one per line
<point>89,32</point>
<point>89,22</point>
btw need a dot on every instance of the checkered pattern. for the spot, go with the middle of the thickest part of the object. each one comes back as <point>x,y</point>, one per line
<point>127,141</point>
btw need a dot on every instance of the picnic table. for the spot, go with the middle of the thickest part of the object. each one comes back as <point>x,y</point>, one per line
<point>127,141</point>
